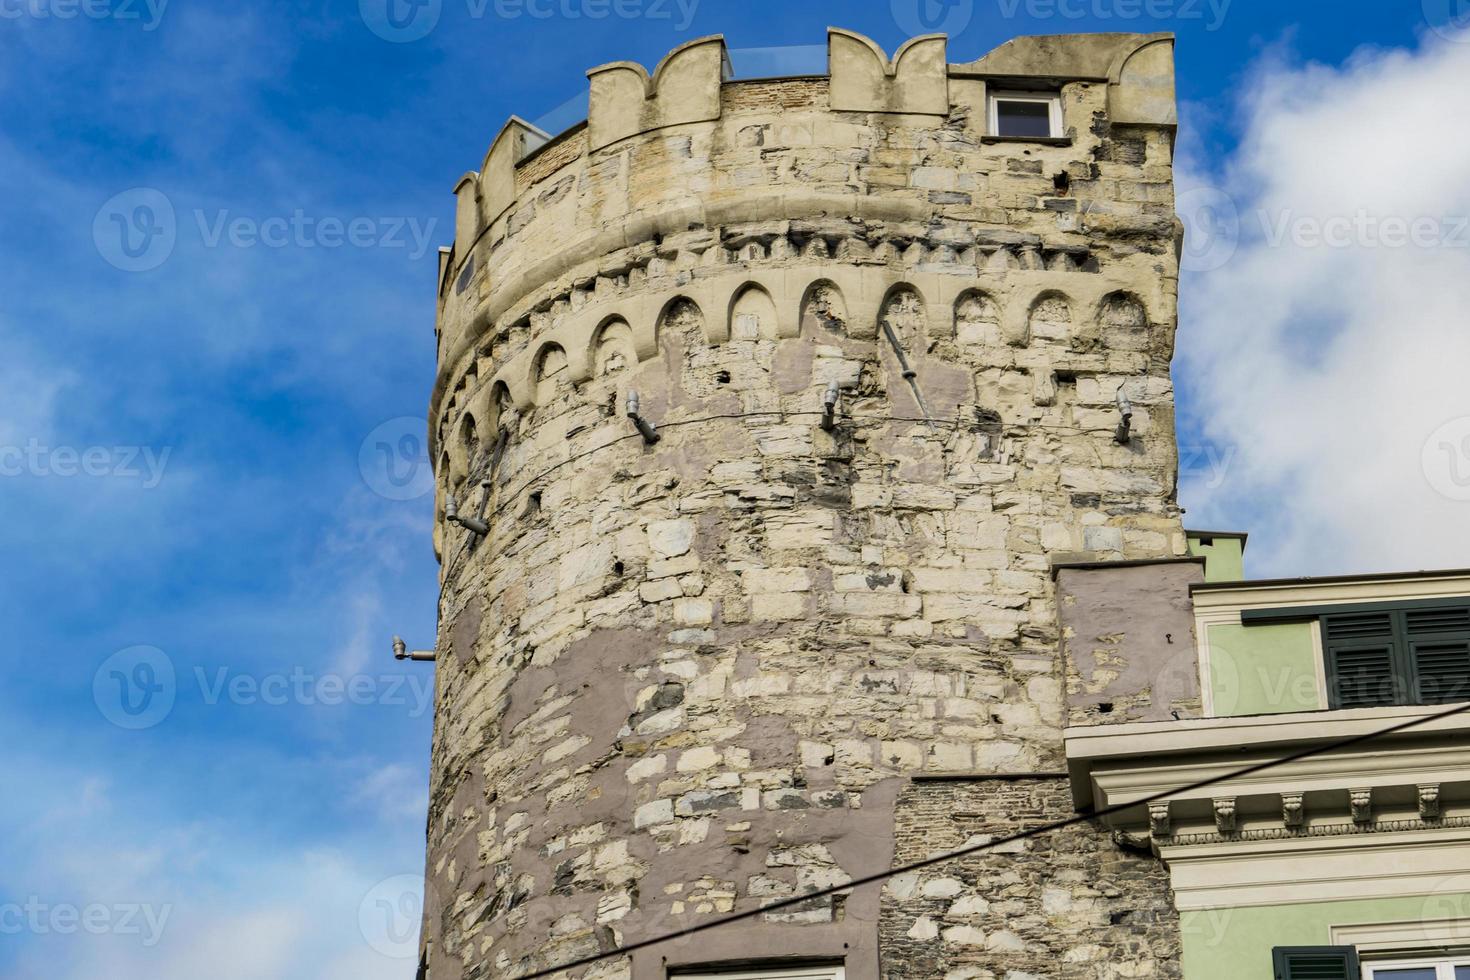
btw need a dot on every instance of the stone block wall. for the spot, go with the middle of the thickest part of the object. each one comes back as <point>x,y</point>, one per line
<point>680,679</point>
<point>1069,905</point>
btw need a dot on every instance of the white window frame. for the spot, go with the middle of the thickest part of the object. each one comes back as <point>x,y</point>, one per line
<point>1444,966</point>
<point>1052,99</point>
<point>795,972</point>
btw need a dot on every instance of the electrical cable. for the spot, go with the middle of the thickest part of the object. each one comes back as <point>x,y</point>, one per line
<point>990,845</point>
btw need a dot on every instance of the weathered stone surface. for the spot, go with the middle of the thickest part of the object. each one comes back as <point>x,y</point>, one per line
<point>695,675</point>
<point>1070,905</point>
<point>1128,643</point>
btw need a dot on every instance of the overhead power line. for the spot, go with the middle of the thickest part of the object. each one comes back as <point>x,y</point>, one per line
<point>928,862</point>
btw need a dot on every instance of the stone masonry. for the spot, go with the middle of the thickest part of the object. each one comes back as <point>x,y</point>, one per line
<point>689,677</point>
<point>1068,904</point>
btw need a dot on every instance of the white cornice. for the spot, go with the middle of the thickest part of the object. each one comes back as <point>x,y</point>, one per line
<point>1364,768</point>
<point>1194,735</point>
<point>1309,592</point>
<point>1398,776</point>
<point>1371,937</point>
<point>1235,874</point>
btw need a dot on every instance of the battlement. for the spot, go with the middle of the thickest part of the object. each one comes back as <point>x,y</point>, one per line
<point>625,101</point>
<point>880,149</point>
<point>900,337</point>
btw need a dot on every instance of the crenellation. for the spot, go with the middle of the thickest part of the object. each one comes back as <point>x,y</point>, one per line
<point>685,676</point>
<point>864,79</point>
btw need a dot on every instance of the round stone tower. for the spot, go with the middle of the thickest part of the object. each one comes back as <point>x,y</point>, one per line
<point>769,646</point>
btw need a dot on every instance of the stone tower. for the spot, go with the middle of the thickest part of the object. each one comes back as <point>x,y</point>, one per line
<point>761,655</point>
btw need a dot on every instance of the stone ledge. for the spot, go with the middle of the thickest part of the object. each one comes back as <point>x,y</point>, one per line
<point>1037,140</point>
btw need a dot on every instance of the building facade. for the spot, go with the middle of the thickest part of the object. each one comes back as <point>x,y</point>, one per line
<point>806,506</point>
<point>1351,861</point>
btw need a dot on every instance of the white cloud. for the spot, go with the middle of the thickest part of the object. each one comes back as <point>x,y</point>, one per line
<point>398,794</point>
<point>1323,353</point>
<point>175,898</point>
<point>30,385</point>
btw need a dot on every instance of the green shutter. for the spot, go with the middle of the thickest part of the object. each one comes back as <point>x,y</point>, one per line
<point>1439,653</point>
<point>1361,662</point>
<point>1397,656</point>
<point>1316,963</point>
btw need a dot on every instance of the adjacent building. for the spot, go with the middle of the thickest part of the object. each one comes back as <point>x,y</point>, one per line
<point>1352,861</point>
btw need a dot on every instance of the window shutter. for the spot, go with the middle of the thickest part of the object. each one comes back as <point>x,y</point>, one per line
<point>1439,651</point>
<point>1316,963</point>
<point>1360,659</point>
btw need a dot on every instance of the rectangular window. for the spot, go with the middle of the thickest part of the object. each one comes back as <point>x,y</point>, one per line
<point>1026,115</point>
<point>1450,968</point>
<point>1397,656</point>
<point>796,971</point>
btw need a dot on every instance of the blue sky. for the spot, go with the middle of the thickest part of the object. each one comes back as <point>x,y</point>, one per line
<point>192,436</point>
